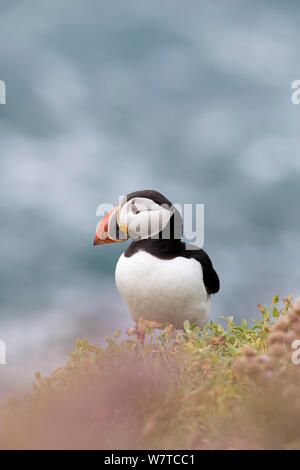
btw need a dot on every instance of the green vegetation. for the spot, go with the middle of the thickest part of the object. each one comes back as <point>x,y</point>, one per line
<point>227,387</point>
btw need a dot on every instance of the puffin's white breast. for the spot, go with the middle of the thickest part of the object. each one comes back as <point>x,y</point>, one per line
<point>163,290</point>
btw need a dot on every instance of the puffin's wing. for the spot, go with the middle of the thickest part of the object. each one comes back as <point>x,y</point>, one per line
<point>210,277</point>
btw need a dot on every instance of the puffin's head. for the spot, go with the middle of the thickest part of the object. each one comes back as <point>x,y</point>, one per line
<point>140,215</point>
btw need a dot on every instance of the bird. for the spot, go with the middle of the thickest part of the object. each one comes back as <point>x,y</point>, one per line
<point>161,278</point>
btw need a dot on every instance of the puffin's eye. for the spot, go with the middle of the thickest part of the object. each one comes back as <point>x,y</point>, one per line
<point>135,209</point>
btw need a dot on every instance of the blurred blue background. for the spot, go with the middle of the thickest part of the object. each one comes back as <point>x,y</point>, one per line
<point>103,98</point>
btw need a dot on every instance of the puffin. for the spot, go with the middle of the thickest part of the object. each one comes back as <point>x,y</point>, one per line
<point>161,278</point>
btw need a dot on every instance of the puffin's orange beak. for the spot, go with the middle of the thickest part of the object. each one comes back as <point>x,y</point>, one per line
<point>107,229</point>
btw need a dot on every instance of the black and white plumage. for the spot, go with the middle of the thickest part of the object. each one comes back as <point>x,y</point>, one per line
<point>158,277</point>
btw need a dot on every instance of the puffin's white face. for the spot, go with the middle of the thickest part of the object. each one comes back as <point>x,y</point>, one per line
<point>139,217</point>
<point>143,218</point>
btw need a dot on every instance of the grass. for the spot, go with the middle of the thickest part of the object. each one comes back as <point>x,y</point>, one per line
<point>226,387</point>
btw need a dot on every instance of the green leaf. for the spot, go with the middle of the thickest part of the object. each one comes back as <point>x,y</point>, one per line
<point>149,331</point>
<point>231,339</point>
<point>276,312</point>
<point>117,334</point>
<point>197,331</point>
<point>38,376</point>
